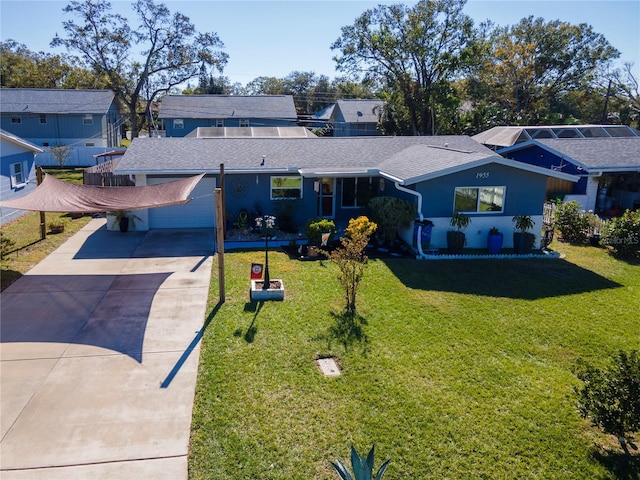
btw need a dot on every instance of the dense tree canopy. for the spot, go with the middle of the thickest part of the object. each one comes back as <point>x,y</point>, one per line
<point>172,50</point>
<point>532,65</point>
<point>417,51</point>
<point>22,68</point>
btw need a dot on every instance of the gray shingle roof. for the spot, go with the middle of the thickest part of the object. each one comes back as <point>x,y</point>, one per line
<point>228,106</point>
<point>55,101</point>
<point>357,110</point>
<point>407,159</point>
<point>598,153</point>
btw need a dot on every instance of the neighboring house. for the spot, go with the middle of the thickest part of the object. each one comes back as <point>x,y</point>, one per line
<point>17,171</point>
<point>606,158</point>
<point>336,178</point>
<point>181,114</point>
<point>88,122</point>
<point>355,118</point>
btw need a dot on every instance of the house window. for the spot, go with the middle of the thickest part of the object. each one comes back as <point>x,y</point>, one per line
<point>479,199</point>
<point>284,188</point>
<point>45,144</point>
<point>178,123</point>
<point>89,144</point>
<point>43,118</point>
<point>244,123</point>
<point>219,123</point>
<point>16,120</point>
<point>17,175</point>
<point>356,192</point>
<point>87,119</point>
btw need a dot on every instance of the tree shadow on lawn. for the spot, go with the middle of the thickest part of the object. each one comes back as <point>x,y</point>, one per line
<point>252,330</point>
<point>527,279</point>
<point>347,329</point>
<point>622,465</point>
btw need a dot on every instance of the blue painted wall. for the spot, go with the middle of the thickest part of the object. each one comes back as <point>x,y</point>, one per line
<point>252,193</point>
<point>60,129</point>
<point>540,157</point>
<point>7,192</point>
<point>525,191</point>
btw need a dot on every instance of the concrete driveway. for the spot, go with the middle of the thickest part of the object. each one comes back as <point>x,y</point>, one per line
<point>99,356</point>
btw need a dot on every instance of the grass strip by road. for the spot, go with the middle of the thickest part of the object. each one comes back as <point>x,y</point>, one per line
<point>28,248</point>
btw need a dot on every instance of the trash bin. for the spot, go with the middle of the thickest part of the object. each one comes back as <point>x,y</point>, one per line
<point>422,233</point>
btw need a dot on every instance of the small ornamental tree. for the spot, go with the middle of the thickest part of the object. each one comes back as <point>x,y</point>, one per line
<point>611,397</point>
<point>351,258</point>
<point>61,153</point>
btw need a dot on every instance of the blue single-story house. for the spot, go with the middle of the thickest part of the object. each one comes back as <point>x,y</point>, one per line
<point>17,171</point>
<point>88,122</point>
<point>335,178</point>
<point>181,114</point>
<point>605,158</point>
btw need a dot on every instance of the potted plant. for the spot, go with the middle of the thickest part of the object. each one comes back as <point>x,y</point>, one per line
<point>456,239</point>
<point>123,219</point>
<point>494,241</point>
<point>523,240</point>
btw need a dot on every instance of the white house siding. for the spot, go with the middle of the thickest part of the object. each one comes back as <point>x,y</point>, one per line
<point>198,213</point>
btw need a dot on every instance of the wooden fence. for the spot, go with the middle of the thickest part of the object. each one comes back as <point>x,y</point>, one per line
<point>102,175</point>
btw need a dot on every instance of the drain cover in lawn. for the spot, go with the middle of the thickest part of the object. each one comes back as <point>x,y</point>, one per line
<point>328,367</point>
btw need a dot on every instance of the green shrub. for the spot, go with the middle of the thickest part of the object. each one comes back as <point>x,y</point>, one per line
<point>611,397</point>
<point>391,213</point>
<point>316,227</point>
<point>571,222</point>
<point>622,234</point>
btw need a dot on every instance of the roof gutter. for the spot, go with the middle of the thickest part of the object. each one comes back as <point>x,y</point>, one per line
<point>418,195</point>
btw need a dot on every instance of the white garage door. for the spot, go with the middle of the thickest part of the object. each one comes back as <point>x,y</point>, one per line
<point>197,213</point>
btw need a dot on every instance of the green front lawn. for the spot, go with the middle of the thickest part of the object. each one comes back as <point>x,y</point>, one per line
<point>456,369</point>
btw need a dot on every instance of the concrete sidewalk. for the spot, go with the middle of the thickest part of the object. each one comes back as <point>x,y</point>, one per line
<point>99,356</point>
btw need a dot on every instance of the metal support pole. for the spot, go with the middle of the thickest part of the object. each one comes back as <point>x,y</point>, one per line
<point>43,220</point>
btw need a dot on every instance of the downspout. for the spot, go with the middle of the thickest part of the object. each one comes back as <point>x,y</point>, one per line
<point>418,195</point>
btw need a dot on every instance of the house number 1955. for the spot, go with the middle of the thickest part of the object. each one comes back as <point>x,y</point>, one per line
<point>482,175</point>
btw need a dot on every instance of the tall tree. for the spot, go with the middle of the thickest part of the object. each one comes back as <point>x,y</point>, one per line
<point>172,50</point>
<point>533,64</point>
<point>627,92</point>
<point>22,68</point>
<point>416,50</point>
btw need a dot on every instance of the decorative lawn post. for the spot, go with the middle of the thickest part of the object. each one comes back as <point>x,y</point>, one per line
<point>267,226</point>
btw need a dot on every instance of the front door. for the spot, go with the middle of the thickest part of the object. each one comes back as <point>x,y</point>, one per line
<point>326,197</point>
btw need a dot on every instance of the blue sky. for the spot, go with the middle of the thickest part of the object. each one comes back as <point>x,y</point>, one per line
<point>274,38</point>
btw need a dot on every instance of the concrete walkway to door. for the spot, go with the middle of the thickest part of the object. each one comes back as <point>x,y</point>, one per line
<point>99,356</point>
